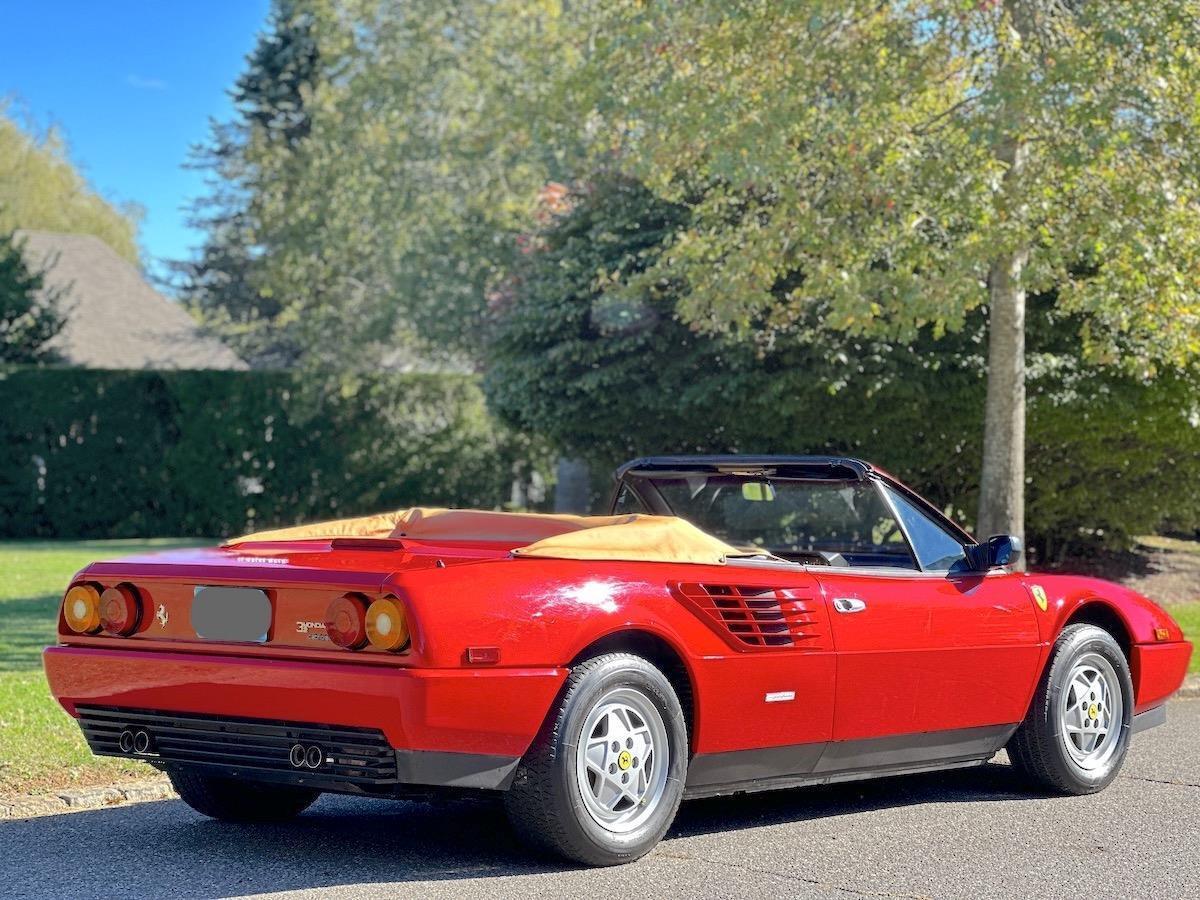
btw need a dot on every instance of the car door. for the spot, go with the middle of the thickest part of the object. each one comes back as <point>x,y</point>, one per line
<point>934,648</point>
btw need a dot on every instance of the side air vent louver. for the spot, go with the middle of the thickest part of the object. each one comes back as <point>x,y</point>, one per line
<point>755,616</point>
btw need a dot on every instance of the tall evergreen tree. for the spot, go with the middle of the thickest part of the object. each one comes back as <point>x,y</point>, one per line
<point>30,313</point>
<point>225,285</point>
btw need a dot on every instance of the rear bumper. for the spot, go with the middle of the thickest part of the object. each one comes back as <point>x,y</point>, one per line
<point>449,727</point>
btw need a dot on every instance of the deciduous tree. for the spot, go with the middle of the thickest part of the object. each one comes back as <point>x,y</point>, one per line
<point>902,164</point>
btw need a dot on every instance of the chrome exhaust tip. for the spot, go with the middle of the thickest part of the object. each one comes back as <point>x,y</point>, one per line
<point>141,742</point>
<point>314,757</point>
<point>296,757</point>
<point>125,741</point>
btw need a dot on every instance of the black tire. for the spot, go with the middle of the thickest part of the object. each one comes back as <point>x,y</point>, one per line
<point>240,800</point>
<point>545,802</point>
<point>1038,749</point>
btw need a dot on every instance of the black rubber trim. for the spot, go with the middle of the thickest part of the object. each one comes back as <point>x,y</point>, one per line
<point>459,770</point>
<point>899,750</point>
<point>742,766</point>
<point>1151,718</point>
<point>245,747</point>
<point>743,771</point>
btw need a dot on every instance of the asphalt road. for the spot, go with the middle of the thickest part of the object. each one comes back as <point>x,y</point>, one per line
<point>970,833</point>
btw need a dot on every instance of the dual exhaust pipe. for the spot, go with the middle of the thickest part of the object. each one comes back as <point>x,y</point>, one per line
<point>132,741</point>
<point>301,757</point>
<point>310,757</point>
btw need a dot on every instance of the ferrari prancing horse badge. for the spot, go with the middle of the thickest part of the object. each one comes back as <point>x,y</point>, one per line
<point>1039,596</point>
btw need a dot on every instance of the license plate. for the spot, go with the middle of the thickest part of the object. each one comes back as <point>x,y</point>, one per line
<point>231,614</point>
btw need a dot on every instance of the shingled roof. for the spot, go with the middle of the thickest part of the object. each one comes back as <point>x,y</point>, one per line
<point>115,320</point>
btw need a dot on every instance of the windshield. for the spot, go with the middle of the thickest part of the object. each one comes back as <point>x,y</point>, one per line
<point>843,522</point>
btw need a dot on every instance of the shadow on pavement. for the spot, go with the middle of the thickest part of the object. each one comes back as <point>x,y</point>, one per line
<point>165,850</point>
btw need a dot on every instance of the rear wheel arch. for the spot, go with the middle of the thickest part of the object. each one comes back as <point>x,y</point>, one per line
<point>660,652</point>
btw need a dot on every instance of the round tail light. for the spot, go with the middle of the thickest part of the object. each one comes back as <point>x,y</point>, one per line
<point>120,610</point>
<point>81,609</point>
<point>346,621</point>
<point>386,626</point>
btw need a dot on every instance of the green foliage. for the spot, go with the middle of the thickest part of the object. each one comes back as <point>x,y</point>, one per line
<point>229,286</point>
<point>29,314</point>
<point>572,363</point>
<point>217,453</point>
<point>375,231</point>
<point>40,190</point>
<point>883,158</point>
<point>590,355</point>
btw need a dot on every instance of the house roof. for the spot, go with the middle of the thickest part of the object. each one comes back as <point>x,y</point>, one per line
<point>115,320</point>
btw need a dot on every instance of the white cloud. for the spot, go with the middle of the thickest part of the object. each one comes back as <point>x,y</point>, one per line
<point>145,84</point>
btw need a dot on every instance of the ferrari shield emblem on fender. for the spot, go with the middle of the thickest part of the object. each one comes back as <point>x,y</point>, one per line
<point>1039,596</point>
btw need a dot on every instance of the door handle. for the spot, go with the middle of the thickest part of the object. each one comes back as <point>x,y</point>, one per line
<point>849,604</point>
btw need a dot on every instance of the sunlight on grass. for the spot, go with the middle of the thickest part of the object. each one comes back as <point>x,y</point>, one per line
<point>1158,542</point>
<point>1188,617</point>
<point>40,745</point>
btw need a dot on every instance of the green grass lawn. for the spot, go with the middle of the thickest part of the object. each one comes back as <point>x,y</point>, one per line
<point>40,745</point>
<point>1188,617</point>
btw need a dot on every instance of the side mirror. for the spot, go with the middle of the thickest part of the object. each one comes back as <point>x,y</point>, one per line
<point>998,550</point>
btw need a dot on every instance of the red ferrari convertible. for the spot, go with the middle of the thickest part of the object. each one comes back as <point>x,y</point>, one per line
<point>735,624</point>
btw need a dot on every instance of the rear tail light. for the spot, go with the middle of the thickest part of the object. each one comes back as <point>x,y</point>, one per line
<point>346,621</point>
<point>120,610</point>
<point>387,628</point>
<point>81,609</point>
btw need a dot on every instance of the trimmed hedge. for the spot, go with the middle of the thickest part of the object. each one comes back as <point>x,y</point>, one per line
<point>124,454</point>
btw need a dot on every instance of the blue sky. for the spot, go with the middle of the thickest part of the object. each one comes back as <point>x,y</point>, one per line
<point>132,84</point>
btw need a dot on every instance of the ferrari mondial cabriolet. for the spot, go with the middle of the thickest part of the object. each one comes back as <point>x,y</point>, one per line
<point>734,624</point>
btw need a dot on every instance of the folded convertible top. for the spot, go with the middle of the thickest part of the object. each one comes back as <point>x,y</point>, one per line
<point>630,537</point>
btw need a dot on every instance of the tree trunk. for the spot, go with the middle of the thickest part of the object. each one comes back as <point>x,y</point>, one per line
<point>1002,481</point>
<point>572,492</point>
<point>1002,485</point>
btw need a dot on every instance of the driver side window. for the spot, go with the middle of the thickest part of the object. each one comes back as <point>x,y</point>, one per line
<point>936,550</point>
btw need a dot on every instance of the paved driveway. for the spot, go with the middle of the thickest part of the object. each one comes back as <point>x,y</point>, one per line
<point>971,833</point>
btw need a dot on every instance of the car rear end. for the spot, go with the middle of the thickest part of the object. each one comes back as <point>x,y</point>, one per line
<point>301,664</point>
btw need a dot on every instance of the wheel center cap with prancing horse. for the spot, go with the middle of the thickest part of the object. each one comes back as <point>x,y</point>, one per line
<point>625,760</point>
<point>1094,712</point>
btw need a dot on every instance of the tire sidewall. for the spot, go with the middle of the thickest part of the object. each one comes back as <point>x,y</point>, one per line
<point>637,674</point>
<point>1087,640</point>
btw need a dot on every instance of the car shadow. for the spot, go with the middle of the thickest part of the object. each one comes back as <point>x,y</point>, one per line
<point>164,849</point>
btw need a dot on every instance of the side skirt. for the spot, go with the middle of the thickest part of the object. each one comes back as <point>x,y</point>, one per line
<point>1151,718</point>
<point>743,771</point>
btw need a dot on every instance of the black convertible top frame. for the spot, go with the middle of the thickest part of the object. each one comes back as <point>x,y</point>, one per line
<point>833,468</point>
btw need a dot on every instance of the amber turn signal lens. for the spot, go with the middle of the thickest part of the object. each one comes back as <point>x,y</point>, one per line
<point>386,627</point>
<point>120,610</point>
<point>81,609</point>
<point>346,621</point>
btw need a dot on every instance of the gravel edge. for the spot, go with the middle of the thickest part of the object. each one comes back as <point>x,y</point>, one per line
<point>28,806</point>
<point>1190,689</point>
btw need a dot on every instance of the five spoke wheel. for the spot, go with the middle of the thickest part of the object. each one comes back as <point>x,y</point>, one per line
<point>1091,711</point>
<point>620,776</point>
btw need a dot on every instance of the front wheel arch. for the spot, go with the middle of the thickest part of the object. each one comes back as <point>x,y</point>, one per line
<point>1104,616</point>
